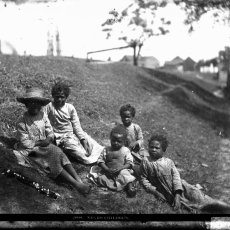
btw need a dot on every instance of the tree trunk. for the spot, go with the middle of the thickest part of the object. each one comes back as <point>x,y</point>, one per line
<point>135,63</point>
<point>227,88</point>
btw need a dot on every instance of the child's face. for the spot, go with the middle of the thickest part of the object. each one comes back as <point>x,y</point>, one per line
<point>117,141</point>
<point>126,118</point>
<point>155,150</point>
<point>59,99</point>
<point>33,108</point>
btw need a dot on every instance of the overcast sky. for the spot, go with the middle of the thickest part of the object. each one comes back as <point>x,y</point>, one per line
<point>24,27</point>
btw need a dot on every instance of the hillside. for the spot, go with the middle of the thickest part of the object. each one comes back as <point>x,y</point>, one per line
<point>191,116</point>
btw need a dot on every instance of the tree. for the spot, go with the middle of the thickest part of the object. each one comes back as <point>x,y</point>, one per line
<point>137,23</point>
<point>195,9</point>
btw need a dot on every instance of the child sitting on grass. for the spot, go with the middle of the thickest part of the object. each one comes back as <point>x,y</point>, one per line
<point>135,138</point>
<point>68,132</point>
<point>35,136</point>
<point>115,163</point>
<point>160,177</point>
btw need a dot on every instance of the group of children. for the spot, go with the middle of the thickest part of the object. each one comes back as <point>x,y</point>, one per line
<point>50,132</point>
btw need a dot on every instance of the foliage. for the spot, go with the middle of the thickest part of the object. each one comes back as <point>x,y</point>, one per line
<point>136,23</point>
<point>195,9</point>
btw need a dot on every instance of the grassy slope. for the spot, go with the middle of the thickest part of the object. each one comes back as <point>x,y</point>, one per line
<point>98,91</point>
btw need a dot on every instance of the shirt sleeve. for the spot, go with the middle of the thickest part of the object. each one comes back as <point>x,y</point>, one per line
<point>77,129</point>
<point>48,128</point>
<point>128,157</point>
<point>177,185</point>
<point>102,157</point>
<point>144,177</point>
<point>45,109</point>
<point>139,135</point>
<point>23,135</point>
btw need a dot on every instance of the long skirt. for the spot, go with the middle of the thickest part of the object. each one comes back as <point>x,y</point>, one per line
<point>49,160</point>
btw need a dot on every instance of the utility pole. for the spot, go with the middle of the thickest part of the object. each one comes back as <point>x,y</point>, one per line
<point>58,48</point>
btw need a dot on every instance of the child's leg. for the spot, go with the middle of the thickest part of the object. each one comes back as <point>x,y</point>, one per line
<point>81,187</point>
<point>69,168</point>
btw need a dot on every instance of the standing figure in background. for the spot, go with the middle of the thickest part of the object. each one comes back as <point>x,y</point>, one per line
<point>135,140</point>
<point>35,136</point>
<point>68,132</point>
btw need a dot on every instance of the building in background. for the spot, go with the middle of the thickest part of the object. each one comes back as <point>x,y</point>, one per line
<point>189,64</point>
<point>175,64</point>
<point>208,66</point>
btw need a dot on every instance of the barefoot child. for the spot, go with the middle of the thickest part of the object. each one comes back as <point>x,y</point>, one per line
<point>67,128</point>
<point>35,136</point>
<point>116,163</point>
<point>135,139</point>
<point>160,177</point>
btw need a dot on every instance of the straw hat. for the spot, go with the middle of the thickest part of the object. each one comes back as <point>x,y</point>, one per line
<point>34,95</point>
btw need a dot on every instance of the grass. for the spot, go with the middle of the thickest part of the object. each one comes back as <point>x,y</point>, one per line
<point>165,103</point>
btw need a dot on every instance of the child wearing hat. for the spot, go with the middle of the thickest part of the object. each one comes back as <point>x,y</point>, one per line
<point>35,136</point>
<point>68,132</point>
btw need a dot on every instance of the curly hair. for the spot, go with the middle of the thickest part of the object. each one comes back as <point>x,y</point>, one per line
<point>60,87</point>
<point>161,138</point>
<point>119,129</point>
<point>129,108</point>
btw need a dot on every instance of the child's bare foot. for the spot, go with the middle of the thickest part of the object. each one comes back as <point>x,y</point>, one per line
<point>84,189</point>
<point>131,189</point>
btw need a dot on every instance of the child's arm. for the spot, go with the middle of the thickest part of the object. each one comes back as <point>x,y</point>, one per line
<point>23,136</point>
<point>147,184</point>
<point>49,134</point>
<point>128,160</point>
<point>177,186</point>
<point>77,129</point>
<point>101,162</point>
<point>139,137</point>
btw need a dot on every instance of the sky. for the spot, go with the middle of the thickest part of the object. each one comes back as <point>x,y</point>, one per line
<point>24,29</point>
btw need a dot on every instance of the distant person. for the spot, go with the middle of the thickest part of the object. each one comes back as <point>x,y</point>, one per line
<point>135,140</point>
<point>159,176</point>
<point>114,170</point>
<point>35,136</point>
<point>68,132</point>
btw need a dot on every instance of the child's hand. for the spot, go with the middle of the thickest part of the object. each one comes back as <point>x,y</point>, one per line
<point>109,172</point>
<point>177,203</point>
<point>43,143</point>
<point>134,146</point>
<point>159,196</point>
<point>85,145</point>
<point>116,171</point>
